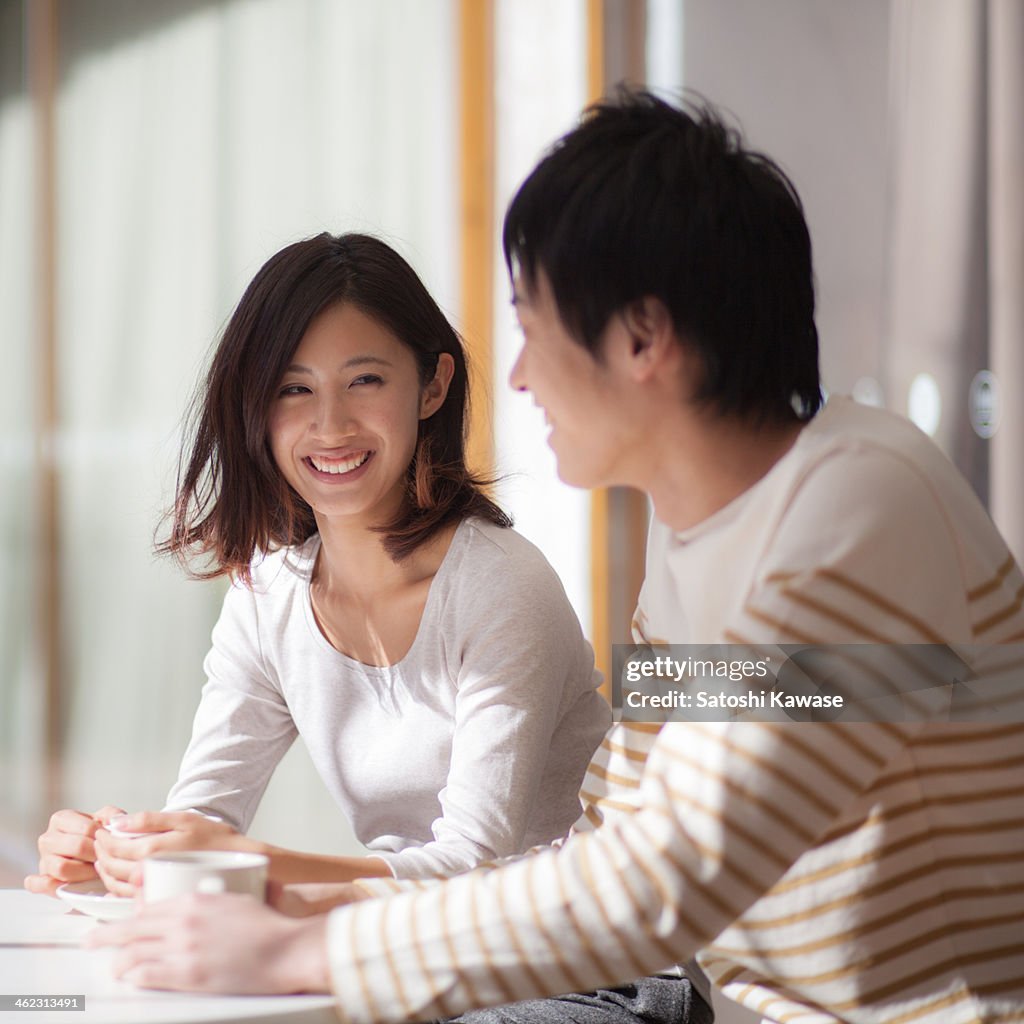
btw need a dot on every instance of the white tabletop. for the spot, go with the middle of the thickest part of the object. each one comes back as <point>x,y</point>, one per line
<point>40,955</point>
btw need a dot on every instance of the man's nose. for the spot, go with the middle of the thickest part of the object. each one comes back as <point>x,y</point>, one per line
<point>517,375</point>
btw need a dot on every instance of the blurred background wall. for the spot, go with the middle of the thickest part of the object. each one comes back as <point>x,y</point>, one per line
<point>153,154</point>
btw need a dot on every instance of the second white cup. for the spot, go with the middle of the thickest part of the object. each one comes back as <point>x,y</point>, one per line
<point>167,876</point>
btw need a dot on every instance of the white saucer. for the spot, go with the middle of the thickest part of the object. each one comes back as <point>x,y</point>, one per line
<point>93,899</point>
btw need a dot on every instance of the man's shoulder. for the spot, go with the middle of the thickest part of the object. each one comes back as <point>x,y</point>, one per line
<point>865,525</point>
<point>880,536</point>
<point>843,419</point>
<point>848,431</point>
<point>870,466</point>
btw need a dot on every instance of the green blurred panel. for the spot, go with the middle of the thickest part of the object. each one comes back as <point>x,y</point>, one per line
<point>20,684</point>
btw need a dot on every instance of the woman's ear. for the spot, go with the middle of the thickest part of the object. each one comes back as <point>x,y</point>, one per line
<point>433,394</point>
<point>652,336</point>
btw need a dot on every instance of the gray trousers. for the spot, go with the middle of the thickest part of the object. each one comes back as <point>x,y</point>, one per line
<point>644,1001</point>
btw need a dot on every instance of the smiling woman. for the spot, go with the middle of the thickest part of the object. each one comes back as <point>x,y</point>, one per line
<point>313,307</point>
<point>382,606</point>
<point>348,410</point>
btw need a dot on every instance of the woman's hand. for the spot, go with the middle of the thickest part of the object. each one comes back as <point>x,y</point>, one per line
<point>119,859</point>
<point>228,943</point>
<point>305,899</point>
<point>67,851</point>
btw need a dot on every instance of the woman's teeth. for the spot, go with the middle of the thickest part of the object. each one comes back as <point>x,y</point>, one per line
<point>338,466</point>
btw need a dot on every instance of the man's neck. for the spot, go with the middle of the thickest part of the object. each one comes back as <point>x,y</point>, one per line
<point>702,464</point>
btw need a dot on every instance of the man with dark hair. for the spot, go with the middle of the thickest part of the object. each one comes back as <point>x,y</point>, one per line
<point>646,201</point>
<point>868,871</point>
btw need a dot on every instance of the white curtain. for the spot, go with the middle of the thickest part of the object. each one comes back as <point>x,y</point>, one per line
<point>540,89</point>
<point>957,236</point>
<point>938,317</point>
<point>194,139</point>
<point>1006,262</point>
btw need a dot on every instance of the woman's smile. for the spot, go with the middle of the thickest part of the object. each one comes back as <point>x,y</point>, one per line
<point>338,467</point>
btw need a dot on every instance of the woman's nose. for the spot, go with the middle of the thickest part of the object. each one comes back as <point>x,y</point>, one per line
<point>334,420</point>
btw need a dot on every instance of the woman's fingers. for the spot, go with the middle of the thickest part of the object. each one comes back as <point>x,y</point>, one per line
<point>66,852</point>
<point>67,845</point>
<point>152,831</point>
<point>164,821</point>
<point>43,885</point>
<point>67,849</point>
<point>64,869</point>
<point>105,813</point>
<point>110,847</point>
<point>118,857</point>
<point>119,885</point>
<point>118,853</point>
<point>70,834</point>
<point>76,822</point>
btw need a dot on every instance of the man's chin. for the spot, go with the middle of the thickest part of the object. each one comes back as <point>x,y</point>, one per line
<point>574,476</point>
<point>577,467</point>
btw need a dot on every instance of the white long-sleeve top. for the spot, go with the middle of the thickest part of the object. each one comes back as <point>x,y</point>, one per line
<point>862,872</point>
<point>471,747</point>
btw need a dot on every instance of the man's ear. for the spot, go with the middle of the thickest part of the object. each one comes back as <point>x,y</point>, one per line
<point>433,394</point>
<point>651,334</point>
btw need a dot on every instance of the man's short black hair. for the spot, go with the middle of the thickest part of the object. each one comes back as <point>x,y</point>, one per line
<point>646,199</point>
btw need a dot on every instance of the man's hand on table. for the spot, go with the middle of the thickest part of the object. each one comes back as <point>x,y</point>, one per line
<point>227,943</point>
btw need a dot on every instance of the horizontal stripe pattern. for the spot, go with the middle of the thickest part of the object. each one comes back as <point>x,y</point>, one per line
<point>613,777</point>
<point>685,870</point>
<point>776,913</point>
<point>995,605</point>
<point>924,874</point>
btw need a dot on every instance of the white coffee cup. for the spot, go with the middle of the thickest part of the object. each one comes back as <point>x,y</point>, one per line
<point>167,876</point>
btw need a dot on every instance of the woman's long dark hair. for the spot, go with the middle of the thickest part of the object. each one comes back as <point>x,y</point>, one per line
<point>232,502</point>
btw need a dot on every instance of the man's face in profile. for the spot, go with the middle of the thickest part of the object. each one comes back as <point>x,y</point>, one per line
<point>576,391</point>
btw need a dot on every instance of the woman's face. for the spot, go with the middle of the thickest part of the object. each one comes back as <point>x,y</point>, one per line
<point>343,425</point>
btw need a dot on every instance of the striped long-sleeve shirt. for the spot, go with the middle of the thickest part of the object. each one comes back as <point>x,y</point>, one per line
<point>868,872</point>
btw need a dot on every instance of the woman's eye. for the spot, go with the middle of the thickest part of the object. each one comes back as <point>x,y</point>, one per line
<point>293,389</point>
<point>367,378</point>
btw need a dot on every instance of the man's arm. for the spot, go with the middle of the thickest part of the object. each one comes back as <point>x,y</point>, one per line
<point>726,810</point>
